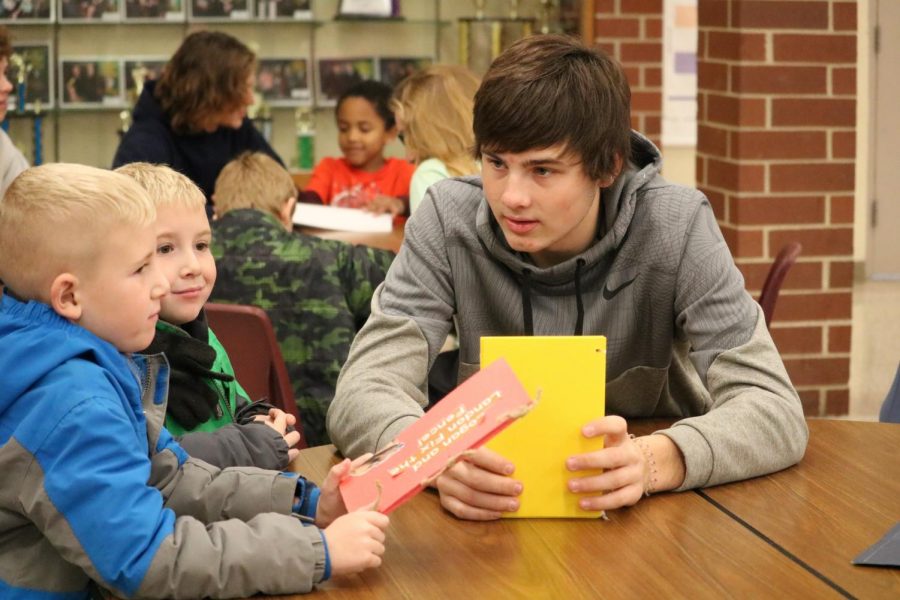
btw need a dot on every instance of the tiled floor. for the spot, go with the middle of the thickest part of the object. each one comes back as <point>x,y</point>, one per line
<point>875,345</point>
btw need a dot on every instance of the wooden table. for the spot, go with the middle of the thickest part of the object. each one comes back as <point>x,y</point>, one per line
<point>301,178</point>
<point>842,498</point>
<point>385,241</point>
<point>810,521</point>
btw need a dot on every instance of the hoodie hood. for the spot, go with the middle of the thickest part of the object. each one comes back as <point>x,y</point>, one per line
<point>587,269</point>
<point>35,342</point>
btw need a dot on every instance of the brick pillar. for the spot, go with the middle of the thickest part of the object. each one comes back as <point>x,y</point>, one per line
<point>631,31</point>
<point>776,156</point>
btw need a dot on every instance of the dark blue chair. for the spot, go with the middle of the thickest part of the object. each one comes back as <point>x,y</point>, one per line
<point>890,410</point>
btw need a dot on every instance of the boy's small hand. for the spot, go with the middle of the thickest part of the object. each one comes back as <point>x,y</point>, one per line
<point>331,503</point>
<point>356,541</point>
<point>479,488</point>
<point>279,420</point>
<point>386,204</point>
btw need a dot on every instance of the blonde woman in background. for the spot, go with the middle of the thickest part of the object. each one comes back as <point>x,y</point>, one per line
<point>434,117</point>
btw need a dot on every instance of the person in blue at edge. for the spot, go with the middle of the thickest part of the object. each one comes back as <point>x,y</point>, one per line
<point>194,119</point>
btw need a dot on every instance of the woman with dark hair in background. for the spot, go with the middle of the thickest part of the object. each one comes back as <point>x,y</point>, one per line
<point>194,118</point>
<point>11,160</point>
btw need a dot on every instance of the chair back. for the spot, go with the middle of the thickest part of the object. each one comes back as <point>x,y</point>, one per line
<point>779,269</point>
<point>890,410</point>
<point>246,333</point>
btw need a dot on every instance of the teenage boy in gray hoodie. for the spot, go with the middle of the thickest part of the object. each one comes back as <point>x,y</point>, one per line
<point>570,229</point>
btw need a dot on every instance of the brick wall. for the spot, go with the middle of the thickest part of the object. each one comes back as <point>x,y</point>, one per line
<point>776,156</point>
<point>631,30</point>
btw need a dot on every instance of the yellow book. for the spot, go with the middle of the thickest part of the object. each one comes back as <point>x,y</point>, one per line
<point>570,373</point>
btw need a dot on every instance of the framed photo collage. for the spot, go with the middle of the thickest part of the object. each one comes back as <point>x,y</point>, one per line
<point>97,82</point>
<point>92,82</point>
<point>115,11</point>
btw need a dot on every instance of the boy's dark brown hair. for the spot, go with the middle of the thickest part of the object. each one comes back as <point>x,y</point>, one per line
<point>550,89</point>
<point>206,75</point>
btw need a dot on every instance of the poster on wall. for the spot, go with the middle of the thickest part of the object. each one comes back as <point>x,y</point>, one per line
<point>367,9</point>
<point>30,11</point>
<point>336,75</point>
<point>154,10</point>
<point>88,11</point>
<point>220,10</point>
<point>30,71</point>
<point>283,10</point>
<point>90,83</point>
<point>679,122</point>
<point>284,81</point>
<point>393,70</point>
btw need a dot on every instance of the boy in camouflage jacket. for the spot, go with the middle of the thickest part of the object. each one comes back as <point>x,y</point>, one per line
<point>317,292</point>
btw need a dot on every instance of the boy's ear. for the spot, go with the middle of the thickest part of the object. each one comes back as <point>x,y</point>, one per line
<point>286,215</point>
<point>608,181</point>
<point>64,297</point>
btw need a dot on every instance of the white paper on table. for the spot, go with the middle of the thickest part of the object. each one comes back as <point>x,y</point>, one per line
<point>341,219</point>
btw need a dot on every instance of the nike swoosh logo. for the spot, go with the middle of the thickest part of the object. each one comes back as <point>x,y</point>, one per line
<point>609,294</point>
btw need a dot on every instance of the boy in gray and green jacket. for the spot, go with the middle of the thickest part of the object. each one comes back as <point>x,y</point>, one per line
<point>571,230</point>
<point>208,411</point>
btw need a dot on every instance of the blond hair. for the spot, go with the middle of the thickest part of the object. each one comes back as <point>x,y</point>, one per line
<point>435,109</point>
<point>253,180</point>
<point>55,218</point>
<point>166,186</point>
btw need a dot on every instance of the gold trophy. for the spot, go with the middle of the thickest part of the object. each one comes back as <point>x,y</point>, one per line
<point>22,68</point>
<point>138,75</point>
<point>547,20</point>
<point>482,39</point>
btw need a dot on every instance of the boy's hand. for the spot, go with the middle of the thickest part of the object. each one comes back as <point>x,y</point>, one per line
<point>331,503</point>
<point>631,466</point>
<point>386,204</point>
<point>279,420</point>
<point>479,488</point>
<point>356,541</point>
<point>622,482</point>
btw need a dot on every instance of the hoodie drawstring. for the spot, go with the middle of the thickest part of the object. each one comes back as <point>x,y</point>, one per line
<point>526,302</point>
<point>579,304</point>
<point>528,317</point>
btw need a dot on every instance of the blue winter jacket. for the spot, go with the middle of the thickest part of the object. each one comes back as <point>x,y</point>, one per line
<point>91,482</point>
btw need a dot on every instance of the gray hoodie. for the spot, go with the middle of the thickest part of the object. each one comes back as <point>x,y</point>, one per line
<point>684,339</point>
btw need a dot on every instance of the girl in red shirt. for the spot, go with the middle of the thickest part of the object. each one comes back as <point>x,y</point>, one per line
<point>363,177</point>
